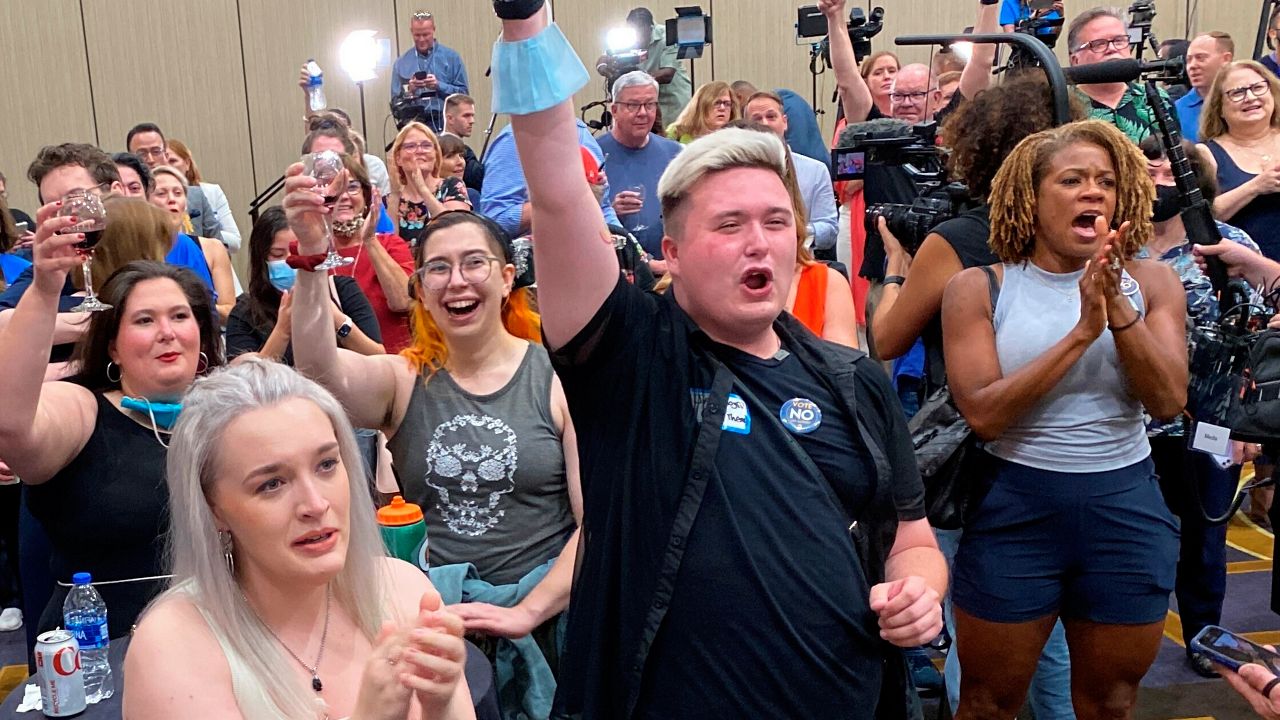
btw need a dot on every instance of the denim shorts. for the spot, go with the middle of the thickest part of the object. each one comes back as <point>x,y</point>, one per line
<point>1097,546</point>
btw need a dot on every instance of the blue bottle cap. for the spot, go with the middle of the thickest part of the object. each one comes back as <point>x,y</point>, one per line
<point>81,578</point>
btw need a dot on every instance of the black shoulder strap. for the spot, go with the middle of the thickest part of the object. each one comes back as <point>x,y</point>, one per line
<point>993,286</point>
<point>695,486</point>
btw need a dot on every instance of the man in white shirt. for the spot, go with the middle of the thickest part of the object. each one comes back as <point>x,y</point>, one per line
<point>813,177</point>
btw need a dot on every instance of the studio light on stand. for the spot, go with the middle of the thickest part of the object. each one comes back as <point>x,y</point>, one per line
<point>690,32</point>
<point>358,57</point>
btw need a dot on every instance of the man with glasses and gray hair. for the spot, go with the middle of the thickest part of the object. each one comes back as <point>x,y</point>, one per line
<point>428,69</point>
<point>1098,35</point>
<point>637,158</point>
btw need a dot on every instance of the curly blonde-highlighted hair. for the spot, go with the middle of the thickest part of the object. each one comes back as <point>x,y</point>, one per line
<point>1015,191</point>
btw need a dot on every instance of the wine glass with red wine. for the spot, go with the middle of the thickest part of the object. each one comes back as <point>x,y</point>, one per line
<point>87,206</point>
<point>325,166</point>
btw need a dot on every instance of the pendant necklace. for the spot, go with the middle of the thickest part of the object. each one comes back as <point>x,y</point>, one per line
<point>313,669</point>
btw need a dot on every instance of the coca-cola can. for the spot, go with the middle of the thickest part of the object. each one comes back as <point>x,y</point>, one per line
<point>61,679</point>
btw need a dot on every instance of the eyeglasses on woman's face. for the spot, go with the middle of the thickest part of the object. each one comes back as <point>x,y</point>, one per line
<point>475,269</point>
<point>1259,90</point>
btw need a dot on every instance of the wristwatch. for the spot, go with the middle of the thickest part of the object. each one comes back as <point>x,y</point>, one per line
<point>344,329</point>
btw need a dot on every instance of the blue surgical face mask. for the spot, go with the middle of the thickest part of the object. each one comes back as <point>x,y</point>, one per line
<point>281,275</point>
<point>164,414</point>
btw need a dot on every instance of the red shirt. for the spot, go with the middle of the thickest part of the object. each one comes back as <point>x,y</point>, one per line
<point>394,325</point>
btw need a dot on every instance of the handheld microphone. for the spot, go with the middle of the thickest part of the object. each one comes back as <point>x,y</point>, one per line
<point>1127,70</point>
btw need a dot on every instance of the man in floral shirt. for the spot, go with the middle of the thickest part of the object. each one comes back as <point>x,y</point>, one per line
<point>1099,35</point>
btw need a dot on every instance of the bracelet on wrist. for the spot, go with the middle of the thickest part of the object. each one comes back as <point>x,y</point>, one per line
<point>1126,326</point>
<point>893,280</point>
<point>305,263</point>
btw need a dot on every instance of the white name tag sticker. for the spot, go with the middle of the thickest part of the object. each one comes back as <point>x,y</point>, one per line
<point>1212,439</point>
<point>737,418</point>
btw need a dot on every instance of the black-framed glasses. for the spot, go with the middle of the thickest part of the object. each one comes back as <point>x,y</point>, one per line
<point>635,107</point>
<point>475,269</point>
<point>723,104</point>
<point>1119,42</point>
<point>914,97</point>
<point>1257,90</point>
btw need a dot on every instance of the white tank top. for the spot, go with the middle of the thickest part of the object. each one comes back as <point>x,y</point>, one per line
<point>249,690</point>
<point>1089,422</point>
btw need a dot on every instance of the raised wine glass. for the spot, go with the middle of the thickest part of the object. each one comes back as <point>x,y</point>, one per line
<point>639,191</point>
<point>87,206</point>
<point>325,166</point>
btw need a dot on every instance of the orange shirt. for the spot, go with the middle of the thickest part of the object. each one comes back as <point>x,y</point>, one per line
<point>811,297</point>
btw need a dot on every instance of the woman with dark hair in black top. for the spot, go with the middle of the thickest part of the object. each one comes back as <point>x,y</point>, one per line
<point>91,452</point>
<point>261,323</point>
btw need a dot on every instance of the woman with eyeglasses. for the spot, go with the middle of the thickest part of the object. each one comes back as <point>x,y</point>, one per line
<point>421,189</point>
<point>477,422</point>
<point>711,108</point>
<point>1240,127</point>
<point>170,194</point>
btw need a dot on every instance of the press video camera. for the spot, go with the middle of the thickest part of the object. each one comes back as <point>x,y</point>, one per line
<point>913,148</point>
<point>1039,26</point>
<point>811,23</point>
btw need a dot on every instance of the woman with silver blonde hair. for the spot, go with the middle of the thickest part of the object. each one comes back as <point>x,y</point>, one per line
<point>282,593</point>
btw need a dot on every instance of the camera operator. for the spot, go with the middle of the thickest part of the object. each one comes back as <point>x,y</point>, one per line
<point>1192,480</point>
<point>1013,12</point>
<point>983,132</point>
<point>912,101</point>
<point>428,69</point>
<point>661,61</point>
<point>1098,35</point>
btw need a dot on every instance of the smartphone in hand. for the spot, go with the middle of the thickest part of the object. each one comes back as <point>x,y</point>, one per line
<point>1227,648</point>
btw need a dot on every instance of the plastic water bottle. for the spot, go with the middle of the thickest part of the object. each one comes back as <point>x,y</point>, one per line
<point>315,87</point>
<point>85,616</point>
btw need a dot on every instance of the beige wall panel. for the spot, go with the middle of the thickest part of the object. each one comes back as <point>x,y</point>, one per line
<point>46,79</point>
<point>177,65</point>
<point>1239,19</point>
<point>279,36</point>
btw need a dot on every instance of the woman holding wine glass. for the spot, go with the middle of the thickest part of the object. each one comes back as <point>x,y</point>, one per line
<point>170,194</point>
<point>381,263</point>
<point>92,452</point>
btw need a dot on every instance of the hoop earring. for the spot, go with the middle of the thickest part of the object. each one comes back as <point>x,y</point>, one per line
<point>228,546</point>
<point>204,363</point>
<point>115,379</point>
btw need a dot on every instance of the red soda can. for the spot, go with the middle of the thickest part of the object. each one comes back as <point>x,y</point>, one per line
<point>61,679</point>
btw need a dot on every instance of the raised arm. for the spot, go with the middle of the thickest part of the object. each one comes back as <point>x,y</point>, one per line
<point>573,251</point>
<point>854,93</point>
<point>44,425</point>
<point>367,386</point>
<point>905,310</point>
<point>976,76</point>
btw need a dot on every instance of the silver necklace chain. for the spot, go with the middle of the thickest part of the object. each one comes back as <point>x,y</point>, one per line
<point>313,669</point>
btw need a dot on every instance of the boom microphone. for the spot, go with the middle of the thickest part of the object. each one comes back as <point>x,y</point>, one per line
<point>1127,70</point>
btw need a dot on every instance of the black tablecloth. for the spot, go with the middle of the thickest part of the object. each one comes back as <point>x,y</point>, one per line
<point>479,678</point>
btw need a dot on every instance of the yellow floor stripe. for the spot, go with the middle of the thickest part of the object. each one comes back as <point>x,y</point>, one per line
<point>1248,566</point>
<point>11,676</point>
<point>1173,628</point>
<point>1248,538</point>
<point>1267,637</point>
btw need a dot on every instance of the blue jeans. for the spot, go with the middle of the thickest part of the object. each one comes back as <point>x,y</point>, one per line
<point>1050,692</point>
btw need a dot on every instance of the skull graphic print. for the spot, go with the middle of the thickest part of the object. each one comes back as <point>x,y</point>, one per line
<point>471,464</point>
